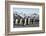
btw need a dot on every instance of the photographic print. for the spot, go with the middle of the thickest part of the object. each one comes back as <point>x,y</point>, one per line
<point>25,17</point>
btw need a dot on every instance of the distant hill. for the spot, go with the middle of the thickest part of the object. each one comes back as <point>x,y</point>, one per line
<point>32,16</point>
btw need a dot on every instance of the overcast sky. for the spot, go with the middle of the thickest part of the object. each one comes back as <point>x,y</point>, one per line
<point>27,11</point>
